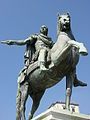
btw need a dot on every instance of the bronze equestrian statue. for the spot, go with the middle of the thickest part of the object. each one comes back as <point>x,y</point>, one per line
<point>46,63</point>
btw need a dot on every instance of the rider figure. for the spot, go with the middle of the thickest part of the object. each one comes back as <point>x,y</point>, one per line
<point>42,45</point>
<point>37,47</point>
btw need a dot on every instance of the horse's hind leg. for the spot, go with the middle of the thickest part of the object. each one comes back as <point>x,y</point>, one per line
<point>36,97</point>
<point>24,96</point>
<point>69,83</point>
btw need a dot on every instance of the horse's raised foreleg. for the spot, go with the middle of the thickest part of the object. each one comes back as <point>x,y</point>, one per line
<point>69,83</point>
<point>24,96</point>
<point>80,46</point>
<point>36,97</point>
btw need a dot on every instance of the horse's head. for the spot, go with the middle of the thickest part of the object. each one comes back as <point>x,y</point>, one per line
<point>63,23</point>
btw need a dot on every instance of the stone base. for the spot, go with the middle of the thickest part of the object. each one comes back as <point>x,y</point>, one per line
<point>55,112</point>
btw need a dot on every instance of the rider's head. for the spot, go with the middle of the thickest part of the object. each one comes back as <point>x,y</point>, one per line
<point>44,30</point>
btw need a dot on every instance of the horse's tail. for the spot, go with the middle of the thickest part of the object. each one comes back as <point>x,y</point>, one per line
<point>18,103</point>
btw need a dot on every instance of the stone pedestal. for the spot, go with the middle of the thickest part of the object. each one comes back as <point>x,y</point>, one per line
<point>57,112</point>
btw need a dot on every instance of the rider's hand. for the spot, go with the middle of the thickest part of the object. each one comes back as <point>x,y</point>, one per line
<point>9,42</point>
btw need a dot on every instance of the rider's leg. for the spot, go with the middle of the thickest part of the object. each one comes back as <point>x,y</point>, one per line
<point>36,97</point>
<point>42,59</point>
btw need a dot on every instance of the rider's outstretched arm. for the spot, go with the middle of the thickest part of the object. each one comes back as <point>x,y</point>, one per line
<point>18,42</point>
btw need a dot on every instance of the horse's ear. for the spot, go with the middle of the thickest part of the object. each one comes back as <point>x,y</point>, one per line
<point>58,16</point>
<point>68,14</point>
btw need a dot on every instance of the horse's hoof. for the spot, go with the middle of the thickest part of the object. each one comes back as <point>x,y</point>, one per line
<point>79,83</point>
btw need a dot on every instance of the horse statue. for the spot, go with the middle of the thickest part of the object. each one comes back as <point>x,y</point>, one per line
<point>64,58</point>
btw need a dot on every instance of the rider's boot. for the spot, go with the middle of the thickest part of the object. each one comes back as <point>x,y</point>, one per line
<point>79,83</point>
<point>51,65</point>
<point>42,66</point>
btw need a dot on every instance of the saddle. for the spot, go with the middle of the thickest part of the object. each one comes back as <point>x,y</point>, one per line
<point>32,67</point>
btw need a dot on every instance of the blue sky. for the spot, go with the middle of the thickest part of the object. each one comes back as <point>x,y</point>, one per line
<point>21,18</point>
